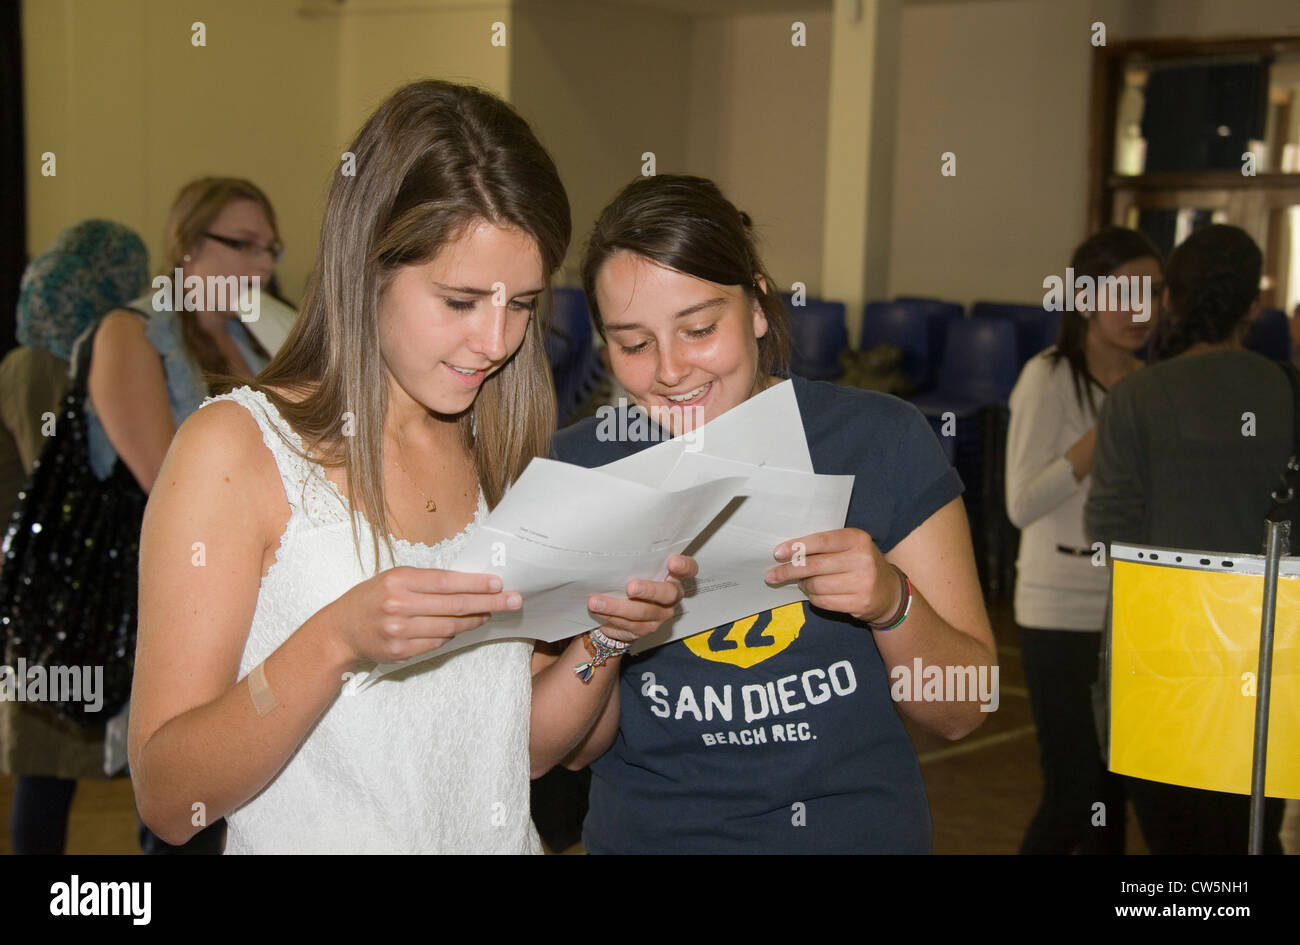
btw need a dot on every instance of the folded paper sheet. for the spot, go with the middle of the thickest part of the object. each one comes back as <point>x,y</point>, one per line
<point>765,430</point>
<point>736,550</point>
<point>1184,657</point>
<point>563,532</point>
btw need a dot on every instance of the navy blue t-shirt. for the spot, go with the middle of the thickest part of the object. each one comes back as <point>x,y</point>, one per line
<point>776,733</point>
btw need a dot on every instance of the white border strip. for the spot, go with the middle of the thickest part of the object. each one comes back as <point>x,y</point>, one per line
<point>1201,560</point>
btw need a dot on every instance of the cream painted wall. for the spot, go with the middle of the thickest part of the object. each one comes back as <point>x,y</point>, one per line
<point>757,124</point>
<point>1174,18</point>
<point>601,85</point>
<point>1004,84</point>
<point>385,44</point>
<point>132,111</point>
<point>1004,87</point>
<point>723,97</point>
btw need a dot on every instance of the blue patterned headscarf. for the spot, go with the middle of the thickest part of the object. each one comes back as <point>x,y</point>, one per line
<point>92,268</point>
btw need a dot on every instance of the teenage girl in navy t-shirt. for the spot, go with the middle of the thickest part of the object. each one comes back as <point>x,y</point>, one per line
<point>777,732</point>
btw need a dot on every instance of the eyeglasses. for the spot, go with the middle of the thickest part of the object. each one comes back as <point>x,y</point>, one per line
<point>249,247</point>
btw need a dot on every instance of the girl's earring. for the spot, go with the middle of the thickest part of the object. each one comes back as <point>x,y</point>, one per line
<point>186,257</point>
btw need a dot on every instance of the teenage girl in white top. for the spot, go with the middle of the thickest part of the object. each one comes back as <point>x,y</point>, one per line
<point>1060,596</point>
<point>300,527</point>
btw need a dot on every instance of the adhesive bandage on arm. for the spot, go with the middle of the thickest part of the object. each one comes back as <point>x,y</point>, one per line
<point>261,692</point>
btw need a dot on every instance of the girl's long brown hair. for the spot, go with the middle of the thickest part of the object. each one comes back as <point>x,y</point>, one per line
<point>432,160</point>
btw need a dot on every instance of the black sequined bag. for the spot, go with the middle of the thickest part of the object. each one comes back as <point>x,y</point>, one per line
<point>68,582</point>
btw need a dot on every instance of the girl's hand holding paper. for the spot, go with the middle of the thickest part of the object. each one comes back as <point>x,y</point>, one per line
<point>842,571</point>
<point>407,611</point>
<point>648,603</point>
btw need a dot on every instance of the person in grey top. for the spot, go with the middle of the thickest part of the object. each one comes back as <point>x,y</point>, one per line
<point>1188,453</point>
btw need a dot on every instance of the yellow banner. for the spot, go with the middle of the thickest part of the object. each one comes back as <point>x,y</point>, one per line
<point>1184,656</point>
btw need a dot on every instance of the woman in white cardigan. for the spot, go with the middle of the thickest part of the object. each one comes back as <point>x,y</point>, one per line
<point>1061,583</point>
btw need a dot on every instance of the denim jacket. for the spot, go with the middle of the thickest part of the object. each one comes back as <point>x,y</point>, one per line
<point>185,387</point>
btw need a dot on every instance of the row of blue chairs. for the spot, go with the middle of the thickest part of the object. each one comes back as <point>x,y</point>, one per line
<point>957,364</point>
<point>957,359</point>
<point>964,369</point>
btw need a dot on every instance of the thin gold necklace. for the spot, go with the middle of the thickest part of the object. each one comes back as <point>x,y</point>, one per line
<point>429,504</point>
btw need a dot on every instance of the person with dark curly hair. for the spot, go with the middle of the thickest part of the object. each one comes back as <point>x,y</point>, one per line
<point>1172,468</point>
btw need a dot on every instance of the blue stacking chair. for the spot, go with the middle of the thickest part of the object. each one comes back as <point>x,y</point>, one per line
<point>819,333</point>
<point>935,308</point>
<point>979,370</point>
<point>907,328</point>
<point>939,316</point>
<point>1036,328</point>
<point>1270,335</point>
<point>922,300</point>
<point>980,367</point>
<point>575,363</point>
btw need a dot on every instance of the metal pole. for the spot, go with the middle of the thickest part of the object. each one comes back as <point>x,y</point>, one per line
<point>1277,536</point>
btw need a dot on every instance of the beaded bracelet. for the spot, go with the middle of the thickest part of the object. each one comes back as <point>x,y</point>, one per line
<point>904,606</point>
<point>601,649</point>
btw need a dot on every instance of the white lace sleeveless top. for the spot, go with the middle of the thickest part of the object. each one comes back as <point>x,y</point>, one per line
<point>433,759</point>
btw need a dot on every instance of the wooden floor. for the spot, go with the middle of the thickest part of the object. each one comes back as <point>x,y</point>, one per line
<point>983,790</point>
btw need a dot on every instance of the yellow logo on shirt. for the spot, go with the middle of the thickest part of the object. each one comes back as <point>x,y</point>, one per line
<point>748,642</point>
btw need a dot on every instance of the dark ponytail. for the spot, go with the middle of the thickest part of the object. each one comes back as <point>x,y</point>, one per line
<point>1213,281</point>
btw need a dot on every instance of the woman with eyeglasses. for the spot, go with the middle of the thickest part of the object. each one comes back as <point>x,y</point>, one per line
<point>151,358</point>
